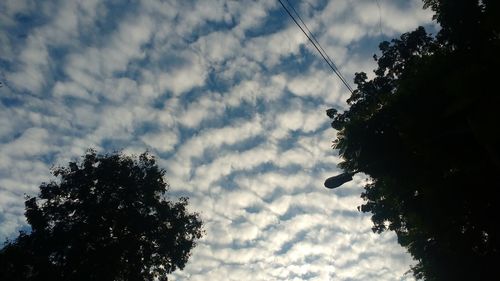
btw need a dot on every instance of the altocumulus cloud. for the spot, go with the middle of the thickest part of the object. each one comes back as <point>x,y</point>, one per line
<point>229,95</point>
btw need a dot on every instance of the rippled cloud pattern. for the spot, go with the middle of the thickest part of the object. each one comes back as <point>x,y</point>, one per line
<point>230,97</point>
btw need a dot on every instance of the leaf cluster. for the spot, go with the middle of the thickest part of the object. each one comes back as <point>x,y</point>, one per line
<point>105,218</point>
<point>423,129</point>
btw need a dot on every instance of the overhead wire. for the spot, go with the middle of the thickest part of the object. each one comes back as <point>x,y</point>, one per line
<point>379,17</point>
<point>315,43</point>
<point>332,63</point>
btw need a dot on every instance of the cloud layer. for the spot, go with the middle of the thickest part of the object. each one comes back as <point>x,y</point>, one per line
<point>232,99</point>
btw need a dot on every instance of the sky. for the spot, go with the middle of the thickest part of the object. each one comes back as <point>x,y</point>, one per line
<point>229,96</point>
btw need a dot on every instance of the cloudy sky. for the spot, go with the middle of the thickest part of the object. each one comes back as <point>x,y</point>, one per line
<point>230,97</point>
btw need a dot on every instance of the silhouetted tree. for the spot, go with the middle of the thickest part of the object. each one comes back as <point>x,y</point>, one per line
<point>106,218</point>
<point>425,129</point>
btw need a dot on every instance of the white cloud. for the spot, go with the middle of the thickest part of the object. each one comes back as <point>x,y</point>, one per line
<point>33,141</point>
<point>126,44</point>
<point>209,106</point>
<point>270,49</point>
<point>161,142</point>
<point>34,60</point>
<point>256,88</point>
<point>351,21</point>
<point>239,119</point>
<point>218,46</point>
<point>183,79</point>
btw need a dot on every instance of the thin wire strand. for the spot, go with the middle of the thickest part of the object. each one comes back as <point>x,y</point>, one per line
<point>315,42</point>
<point>341,76</point>
<point>317,48</point>
<point>379,17</point>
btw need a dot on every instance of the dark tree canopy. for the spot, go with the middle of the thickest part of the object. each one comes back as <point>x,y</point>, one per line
<point>105,218</point>
<point>466,23</point>
<point>425,130</point>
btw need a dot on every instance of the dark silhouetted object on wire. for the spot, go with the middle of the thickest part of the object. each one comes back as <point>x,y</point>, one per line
<point>105,218</point>
<point>425,130</point>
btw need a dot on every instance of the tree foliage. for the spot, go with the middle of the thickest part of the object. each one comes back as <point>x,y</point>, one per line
<point>105,218</point>
<point>425,130</point>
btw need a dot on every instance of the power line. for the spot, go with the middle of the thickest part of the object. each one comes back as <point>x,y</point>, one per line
<point>379,17</point>
<point>341,76</point>
<point>313,41</point>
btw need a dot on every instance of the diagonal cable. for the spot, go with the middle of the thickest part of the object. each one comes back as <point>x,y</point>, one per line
<point>339,75</point>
